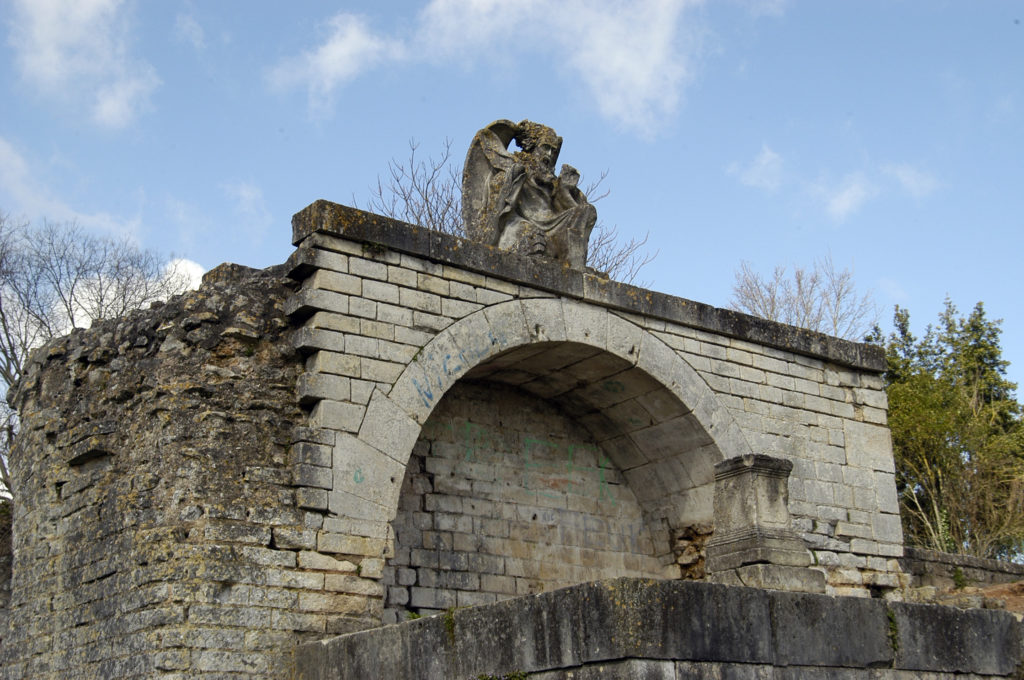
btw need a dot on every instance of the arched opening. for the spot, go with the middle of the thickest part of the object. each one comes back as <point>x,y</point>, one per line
<point>546,465</point>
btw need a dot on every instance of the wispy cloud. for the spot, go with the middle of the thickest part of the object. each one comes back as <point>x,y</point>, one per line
<point>766,7</point>
<point>79,52</point>
<point>764,171</point>
<point>350,48</point>
<point>633,59</point>
<point>24,195</point>
<point>848,196</point>
<point>914,181</point>
<point>250,205</point>
<point>187,29</point>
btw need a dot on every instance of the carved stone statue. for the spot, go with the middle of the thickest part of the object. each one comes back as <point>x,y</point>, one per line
<point>514,201</point>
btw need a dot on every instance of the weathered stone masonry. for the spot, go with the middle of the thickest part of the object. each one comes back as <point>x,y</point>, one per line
<point>399,420</point>
<point>393,317</point>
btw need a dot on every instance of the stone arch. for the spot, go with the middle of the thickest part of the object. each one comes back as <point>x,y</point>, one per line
<point>669,459</point>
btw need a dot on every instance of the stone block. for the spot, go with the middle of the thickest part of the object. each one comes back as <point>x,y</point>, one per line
<point>399,316</point>
<point>335,282</point>
<point>853,635</point>
<point>290,539</point>
<point>380,371</point>
<point>311,499</point>
<point>772,577</point>
<point>381,291</point>
<point>334,363</point>
<point>869,446</point>
<point>362,307</point>
<point>486,296</point>
<point>388,428</point>
<point>949,640</point>
<point>312,387</point>
<point>419,300</point>
<point>368,269</point>
<point>313,476</point>
<point>432,284</point>
<point>431,598</point>
<point>352,545</point>
<point>337,416</point>
<point>311,300</point>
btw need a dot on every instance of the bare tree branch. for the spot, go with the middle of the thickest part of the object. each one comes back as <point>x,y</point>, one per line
<point>59,277</point>
<point>820,299</point>
<point>428,193</point>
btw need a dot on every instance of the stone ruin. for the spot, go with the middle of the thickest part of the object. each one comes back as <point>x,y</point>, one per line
<point>398,423</point>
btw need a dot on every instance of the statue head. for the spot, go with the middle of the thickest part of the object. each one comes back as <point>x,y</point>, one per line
<point>539,141</point>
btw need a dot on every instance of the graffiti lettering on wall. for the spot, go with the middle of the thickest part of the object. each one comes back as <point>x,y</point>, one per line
<point>549,468</point>
<point>452,366</point>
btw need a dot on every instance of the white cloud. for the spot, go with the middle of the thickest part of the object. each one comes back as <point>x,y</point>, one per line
<point>847,198</point>
<point>190,270</point>
<point>634,58</point>
<point>78,52</point>
<point>351,48</point>
<point>187,29</point>
<point>763,172</point>
<point>917,183</point>
<point>22,194</point>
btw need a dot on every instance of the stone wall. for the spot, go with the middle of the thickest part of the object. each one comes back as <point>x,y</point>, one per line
<point>156,527</point>
<point>943,570</point>
<point>668,630</point>
<point>281,456</point>
<point>505,495</point>
<point>394,316</point>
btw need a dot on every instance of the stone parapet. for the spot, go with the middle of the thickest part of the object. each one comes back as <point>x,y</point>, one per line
<point>946,570</point>
<point>625,629</point>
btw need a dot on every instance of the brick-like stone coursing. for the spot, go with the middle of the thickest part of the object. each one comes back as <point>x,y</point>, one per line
<point>504,496</point>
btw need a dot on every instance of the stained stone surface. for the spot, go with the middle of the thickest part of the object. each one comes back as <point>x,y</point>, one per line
<point>205,484</point>
<point>514,201</point>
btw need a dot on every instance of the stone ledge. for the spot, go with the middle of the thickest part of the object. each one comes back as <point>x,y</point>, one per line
<point>622,619</point>
<point>382,234</point>
<point>923,564</point>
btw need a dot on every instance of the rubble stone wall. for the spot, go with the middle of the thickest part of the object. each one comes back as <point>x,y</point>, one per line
<point>156,528</point>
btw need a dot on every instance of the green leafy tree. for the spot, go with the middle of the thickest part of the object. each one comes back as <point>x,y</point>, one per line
<point>958,436</point>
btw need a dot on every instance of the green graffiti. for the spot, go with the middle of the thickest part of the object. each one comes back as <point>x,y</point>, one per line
<point>550,469</point>
<point>613,386</point>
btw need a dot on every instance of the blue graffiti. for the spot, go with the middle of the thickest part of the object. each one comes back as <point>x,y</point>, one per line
<point>452,366</point>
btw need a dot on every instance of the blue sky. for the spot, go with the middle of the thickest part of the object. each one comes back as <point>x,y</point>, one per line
<point>887,134</point>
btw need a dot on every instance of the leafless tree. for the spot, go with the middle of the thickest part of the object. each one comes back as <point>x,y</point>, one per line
<point>59,277</point>
<point>821,299</point>
<point>428,193</point>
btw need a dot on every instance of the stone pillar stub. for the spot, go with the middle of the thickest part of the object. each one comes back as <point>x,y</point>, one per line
<point>754,542</point>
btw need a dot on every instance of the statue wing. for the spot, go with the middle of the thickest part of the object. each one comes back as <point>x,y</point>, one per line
<point>488,164</point>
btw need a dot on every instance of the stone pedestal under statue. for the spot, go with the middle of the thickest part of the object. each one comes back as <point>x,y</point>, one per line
<point>754,543</point>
